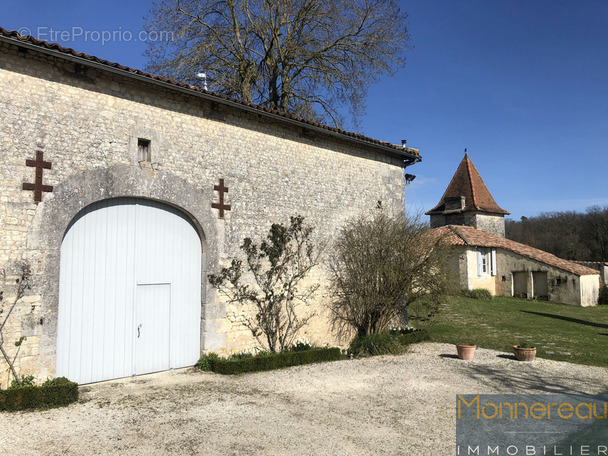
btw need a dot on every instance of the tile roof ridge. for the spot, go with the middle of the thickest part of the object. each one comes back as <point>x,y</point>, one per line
<point>454,229</point>
<point>470,175</point>
<point>13,35</point>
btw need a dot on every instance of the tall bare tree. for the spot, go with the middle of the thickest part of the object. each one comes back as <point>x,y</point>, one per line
<point>311,58</point>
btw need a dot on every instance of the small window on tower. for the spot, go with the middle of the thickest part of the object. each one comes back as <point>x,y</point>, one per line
<point>143,150</point>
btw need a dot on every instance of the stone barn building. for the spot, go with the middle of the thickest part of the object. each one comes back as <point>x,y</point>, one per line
<point>473,224</point>
<point>122,191</point>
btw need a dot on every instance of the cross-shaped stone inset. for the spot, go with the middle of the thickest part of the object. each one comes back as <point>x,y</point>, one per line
<point>37,186</point>
<point>221,189</point>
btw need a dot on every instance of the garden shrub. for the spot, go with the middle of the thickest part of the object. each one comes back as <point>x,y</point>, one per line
<point>57,381</point>
<point>271,361</point>
<point>24,380</point>
<point>278,265</point>
<point>376,344</point>
<point>242,355</point>
<point>206,362</point>
<point>384,268</point>
<point>478,293</point>
<point>413,337</point>
<point>52,393</point>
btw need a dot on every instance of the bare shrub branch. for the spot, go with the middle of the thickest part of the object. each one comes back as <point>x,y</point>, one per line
<point>22,284</point>
<point>384,266</point>
<point>277,266</point>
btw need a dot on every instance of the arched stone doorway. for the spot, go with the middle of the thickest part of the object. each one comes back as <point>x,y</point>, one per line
<point>129,292</point>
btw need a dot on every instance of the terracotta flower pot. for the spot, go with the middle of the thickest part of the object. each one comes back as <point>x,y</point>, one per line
<point>466,352</point>
<point>524,354</point>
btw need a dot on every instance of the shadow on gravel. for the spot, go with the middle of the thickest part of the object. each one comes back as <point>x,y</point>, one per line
<point>505,356</point>
<point>529,380</point>
<point>445,355</point>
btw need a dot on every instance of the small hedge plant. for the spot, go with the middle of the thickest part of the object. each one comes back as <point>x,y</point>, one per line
<point>376,344</point>
<point>23,381</point>
<point>23,395</point>
<point>413,337</point>
<point>265,361</point>
<point>389,343</point>
<point>478,293</point>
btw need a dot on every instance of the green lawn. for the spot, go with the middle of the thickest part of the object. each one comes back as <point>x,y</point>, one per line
<point>560,332</point>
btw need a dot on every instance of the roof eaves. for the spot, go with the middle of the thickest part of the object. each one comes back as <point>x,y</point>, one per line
<point>490,240</point>
<point>410,155</point>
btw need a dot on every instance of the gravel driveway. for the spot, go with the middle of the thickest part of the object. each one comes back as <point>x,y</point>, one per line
<point>397,405</point>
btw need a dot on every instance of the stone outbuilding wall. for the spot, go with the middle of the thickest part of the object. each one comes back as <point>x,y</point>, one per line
<point>523,277</point>
<point>508,268</point>
<point>91,120</point>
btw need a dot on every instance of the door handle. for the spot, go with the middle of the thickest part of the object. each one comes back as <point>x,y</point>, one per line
<point>138,328</point>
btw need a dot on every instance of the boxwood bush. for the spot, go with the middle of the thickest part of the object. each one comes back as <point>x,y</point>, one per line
<point>53,393</point>
<point>413,337</point>
<point>376,344</point>
<point>270,361</point>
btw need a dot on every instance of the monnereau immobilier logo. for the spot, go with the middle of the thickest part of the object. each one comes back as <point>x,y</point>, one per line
<point>531,424</point>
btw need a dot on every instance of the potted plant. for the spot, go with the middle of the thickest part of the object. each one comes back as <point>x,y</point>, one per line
<point>466,351</point>
<point>524,352</point>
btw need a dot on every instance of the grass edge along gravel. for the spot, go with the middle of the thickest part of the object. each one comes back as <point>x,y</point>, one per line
<point>559,331</point>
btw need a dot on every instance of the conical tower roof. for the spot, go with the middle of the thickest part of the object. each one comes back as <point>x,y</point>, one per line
<point>467,183</point>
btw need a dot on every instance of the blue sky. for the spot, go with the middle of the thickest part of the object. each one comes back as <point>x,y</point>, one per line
<point>522,84</point>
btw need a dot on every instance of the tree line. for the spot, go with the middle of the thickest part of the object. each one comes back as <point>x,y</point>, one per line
<point>581,236</point>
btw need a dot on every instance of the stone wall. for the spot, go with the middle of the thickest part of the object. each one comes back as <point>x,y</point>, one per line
<point>88,122</point>
<point>492,223</point>
<point>562,286</point>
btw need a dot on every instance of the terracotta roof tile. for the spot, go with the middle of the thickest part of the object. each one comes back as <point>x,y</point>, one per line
<point>468,183</point>
<point>467,235</point>
<point>15,37</point>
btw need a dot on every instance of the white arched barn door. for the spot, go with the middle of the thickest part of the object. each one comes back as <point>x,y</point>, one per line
<point>129,292</point>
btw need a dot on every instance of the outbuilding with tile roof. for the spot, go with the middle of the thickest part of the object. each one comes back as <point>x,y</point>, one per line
<point>469,219</point>
<point>508,268</point>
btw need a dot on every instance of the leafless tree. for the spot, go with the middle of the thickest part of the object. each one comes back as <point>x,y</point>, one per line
<point>306,57</point>
<point>383,267</point>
